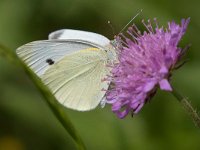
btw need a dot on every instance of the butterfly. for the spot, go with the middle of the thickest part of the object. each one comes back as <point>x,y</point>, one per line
<point>72,64</point>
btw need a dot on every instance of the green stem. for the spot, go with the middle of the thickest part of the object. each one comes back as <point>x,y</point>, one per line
<point>188,107</point>
<point>57,109</point>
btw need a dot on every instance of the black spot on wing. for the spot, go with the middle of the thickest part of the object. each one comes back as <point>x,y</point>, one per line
<point>50,61</point>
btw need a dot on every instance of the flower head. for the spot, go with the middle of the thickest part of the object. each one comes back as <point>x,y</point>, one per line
<point>145,63</point>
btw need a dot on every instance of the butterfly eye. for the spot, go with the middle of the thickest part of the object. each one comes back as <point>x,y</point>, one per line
<point>50,61</point>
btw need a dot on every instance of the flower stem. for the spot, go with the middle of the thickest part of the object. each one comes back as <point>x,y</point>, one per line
<point>188,107</point>
<point>56,108</point>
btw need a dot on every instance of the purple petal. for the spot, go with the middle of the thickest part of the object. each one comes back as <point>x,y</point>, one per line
<point>163,70</point>
<point>149,86</point>
<point>122,114</point>
<point>165,85</point>
<point>139,108</point>
<point>116,106</point>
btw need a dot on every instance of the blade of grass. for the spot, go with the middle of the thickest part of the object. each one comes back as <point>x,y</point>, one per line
<point>57,109</point>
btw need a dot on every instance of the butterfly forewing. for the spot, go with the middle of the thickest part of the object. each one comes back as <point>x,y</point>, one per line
<point>66,34</point>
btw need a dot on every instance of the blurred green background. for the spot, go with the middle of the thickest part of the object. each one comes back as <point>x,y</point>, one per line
<point>26,122</point>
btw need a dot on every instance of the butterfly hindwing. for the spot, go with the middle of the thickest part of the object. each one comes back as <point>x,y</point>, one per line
<point>76,80</point>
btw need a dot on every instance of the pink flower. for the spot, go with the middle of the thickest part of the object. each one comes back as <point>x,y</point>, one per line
<point>145,63</point>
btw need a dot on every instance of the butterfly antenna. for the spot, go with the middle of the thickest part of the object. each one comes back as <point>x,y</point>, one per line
<point>130,21</point>
<point>111,26</point>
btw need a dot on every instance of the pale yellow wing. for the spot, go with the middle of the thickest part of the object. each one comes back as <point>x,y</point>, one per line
<point>76,80</point>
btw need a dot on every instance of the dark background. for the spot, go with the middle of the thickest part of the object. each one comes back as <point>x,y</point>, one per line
<point>26,122</point>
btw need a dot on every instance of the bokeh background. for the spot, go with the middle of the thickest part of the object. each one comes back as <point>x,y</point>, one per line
<point>27,123</point>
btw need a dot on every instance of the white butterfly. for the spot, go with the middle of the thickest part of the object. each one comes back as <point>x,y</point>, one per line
<point>72,64</point>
